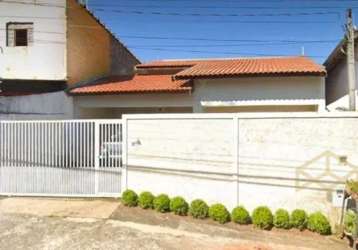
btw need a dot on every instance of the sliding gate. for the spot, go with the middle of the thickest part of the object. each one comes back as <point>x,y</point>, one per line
<point>61,158</point>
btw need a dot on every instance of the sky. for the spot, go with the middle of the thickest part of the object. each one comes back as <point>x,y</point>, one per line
<point>182,29</point>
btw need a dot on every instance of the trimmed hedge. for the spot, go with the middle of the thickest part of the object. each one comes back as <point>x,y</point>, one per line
<point>298,219</point>
<point>199,209</point>
<point>179,206</point>
<point>162,203</point>
<point>318,223</point>
<point>129,198</point>
<point>145,200</point>
<point>262,218</point>
<point>240,215</point>
<point>219,213</point>
<point>281,219</point>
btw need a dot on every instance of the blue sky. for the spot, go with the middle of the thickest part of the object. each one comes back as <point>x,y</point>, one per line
<point>167,29</point>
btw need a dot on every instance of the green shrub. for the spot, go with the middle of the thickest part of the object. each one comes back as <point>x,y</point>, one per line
<point>317,222</point>
<point>179,206</point>
<point>145,200</point>
<point>219,213</point>
<point>240,215</point>
<point>350,219</point>
<point>199,209</point>
<point>262,218</point>
<point>281,219</point>
<point>129,198</point>
<point>162,203</point>
<point>298,219</point>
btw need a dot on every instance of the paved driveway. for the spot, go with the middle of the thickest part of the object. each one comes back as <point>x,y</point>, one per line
<point>104,224</point>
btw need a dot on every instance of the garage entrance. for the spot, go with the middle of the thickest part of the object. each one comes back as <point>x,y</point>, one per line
<point>61,158</point>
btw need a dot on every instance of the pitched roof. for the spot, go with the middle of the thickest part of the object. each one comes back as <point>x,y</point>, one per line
<point>134,84</point>
<point>298,65</point>
<point>338,53</point>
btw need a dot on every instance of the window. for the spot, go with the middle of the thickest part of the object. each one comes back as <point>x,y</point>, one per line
<point>21,37</point>
<point>19,34</point>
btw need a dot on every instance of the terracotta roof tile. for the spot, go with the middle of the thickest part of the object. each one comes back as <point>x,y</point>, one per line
<point>252,66</point>
<point>135,84</point>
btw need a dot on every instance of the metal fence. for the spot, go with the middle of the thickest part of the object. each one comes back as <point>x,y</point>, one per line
<point>61,158</point>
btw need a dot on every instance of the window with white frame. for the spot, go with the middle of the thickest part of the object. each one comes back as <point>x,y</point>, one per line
<point>19,34</point>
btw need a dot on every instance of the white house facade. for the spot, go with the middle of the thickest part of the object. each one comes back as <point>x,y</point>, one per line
<point>282,84</point>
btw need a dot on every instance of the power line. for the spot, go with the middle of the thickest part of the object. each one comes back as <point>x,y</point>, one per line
<point>214,52</point>
<point>213,45</point>
<point>224,40</point>
<point>137,12</point>
<point>222,7</point>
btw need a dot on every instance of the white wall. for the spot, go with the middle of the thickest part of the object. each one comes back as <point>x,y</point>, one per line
<point>118,103</point>
<point>55,105</point>
<point>259,91</point>
<point>337,92</point>
<point>45,59</point>
<point>254,91</point>
<point>281,160</point>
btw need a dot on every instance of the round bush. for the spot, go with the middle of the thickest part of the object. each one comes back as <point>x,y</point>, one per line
<point>262,218</point>
<point>240,215</point>
<point>145,200</point>
<point>317,222</point>
<point>162,203</point>
<point>219,213</point>
<point>129,198</point>
<point>298,219</point>
<point>199,209</point>
<point>281,219</point>
<point>179,206</point>
<point>350,219</point>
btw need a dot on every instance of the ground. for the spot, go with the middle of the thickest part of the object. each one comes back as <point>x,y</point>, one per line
<point>29,223</point>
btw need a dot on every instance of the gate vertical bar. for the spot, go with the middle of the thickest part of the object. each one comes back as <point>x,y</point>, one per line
<point>124,133</point>
<point>236,159</point>
<point>96,154</point>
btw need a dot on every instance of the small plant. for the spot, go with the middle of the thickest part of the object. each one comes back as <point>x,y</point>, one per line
<point>298,219</point>
<point>219,213</point>
<point>162,203</point>
<point>350,220</point>
<point>129,198</point>
<point>240,215</point>
<point>262,218</point>
<point>317,222</point>
<point>145,200</point>
<point>199,209</point>
<point>281,219</point>
<point>179,206</point>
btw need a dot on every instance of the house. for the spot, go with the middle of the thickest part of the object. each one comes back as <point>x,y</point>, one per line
<point>47,46</point>
<point>276,84</point>
<point>337,89</point>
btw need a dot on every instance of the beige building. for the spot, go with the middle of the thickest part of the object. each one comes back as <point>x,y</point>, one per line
<point>278,84</point>
<point>59,44</point>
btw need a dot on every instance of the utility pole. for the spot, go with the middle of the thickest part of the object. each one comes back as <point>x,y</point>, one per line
<point>351,61</point>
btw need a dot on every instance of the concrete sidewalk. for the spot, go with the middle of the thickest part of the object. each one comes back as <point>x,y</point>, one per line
<point>40,223</point>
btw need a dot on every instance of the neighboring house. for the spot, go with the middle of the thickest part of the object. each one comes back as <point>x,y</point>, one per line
<point>47,46</point>
<point>337,90</point>
<point>277,84</point>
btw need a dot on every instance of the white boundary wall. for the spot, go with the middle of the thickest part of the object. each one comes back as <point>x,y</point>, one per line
<point>295,160</point>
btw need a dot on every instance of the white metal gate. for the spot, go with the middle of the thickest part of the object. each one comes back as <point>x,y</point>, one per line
<point>61,158</point>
